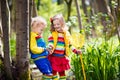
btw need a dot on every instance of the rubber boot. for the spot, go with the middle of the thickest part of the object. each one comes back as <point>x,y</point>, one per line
<point>55,77</point>
<point>62,78</point>
<point>44,77</point>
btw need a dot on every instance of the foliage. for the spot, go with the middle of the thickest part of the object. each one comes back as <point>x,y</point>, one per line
<point>13,45</point>
<point>101,60</point>
<point>114,3</point>
<point>76,67</point>
<point>94,27</point>
<point>49,8</point>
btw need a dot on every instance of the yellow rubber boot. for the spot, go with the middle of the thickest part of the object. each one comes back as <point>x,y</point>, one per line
<point>62,78</point>
<point>44,77</point>
<point>55,77</point>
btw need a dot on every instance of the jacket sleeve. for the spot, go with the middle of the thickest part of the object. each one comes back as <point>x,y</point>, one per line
<point>33,45</point>
<point>50,41</point>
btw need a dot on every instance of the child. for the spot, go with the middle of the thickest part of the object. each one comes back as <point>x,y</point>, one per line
<point>38,49</point>
<point>60,42</point>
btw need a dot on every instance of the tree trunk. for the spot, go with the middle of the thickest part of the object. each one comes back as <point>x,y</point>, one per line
<point>110,5</point>
<point>69,3</point>
<point>31,12</point>
<point>93,7</point>
<point>1,43</point>
<point>13,21</point>
<point>93,11</point>
<point>34,9</point>
<point>118,20</point>
<point>84,8</point>
<point>79,15</point>
<point>22,39</point>
<point>6,48</point>
<point>1,34</point>
<point>103,9</point>
<point>38,4</point>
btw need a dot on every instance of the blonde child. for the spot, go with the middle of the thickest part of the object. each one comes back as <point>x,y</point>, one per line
<point>38,49</point>
<point>60,42</point>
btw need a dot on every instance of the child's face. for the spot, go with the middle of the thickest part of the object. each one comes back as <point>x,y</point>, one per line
<point>38,27</point>
<point>57,25</point>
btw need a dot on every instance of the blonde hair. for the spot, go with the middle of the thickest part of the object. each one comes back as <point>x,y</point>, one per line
<point>61,19</point>
<point>38,19</point>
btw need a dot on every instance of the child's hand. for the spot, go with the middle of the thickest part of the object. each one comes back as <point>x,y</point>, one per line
<point>49,49</point>
<point>79,52</point>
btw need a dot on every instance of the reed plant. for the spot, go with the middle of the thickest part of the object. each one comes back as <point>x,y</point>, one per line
<point>101,60</point>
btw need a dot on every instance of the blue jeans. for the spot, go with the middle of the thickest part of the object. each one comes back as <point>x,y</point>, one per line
<point>44,66</point>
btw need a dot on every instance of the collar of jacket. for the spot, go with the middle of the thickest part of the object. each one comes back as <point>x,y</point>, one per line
<point>66,39</point>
